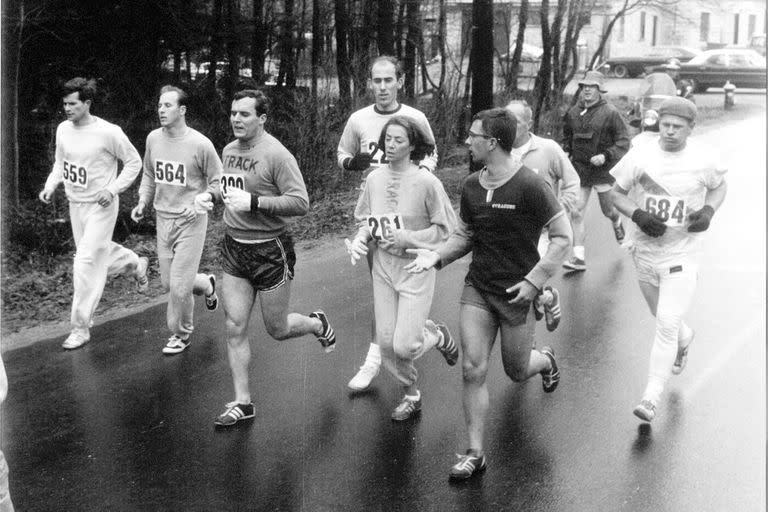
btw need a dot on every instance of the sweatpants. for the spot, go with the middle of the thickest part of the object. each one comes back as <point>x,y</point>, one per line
<point>675,280</point>
<point>96,257</point>
<point>179,249</point>
<point>401,303</point>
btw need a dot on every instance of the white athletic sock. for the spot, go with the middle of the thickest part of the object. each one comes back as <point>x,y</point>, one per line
<point>617,222</point>
<point>654,389</point>
<point>374,355</point>
<point>578,251</point>
<point>414,398</point>
<point>684,333</point>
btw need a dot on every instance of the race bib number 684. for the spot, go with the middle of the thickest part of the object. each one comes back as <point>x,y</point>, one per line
<point>670,209</point>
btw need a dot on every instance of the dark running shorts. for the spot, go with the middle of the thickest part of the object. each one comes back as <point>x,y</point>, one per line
<point>266,265</point>
<point>497,305</point>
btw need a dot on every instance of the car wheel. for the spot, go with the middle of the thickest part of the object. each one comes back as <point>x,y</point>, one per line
<point>620,71</point>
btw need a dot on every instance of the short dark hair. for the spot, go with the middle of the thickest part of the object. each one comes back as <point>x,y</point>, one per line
<point>392,60</point>
<point>86,89</point>
<point>262,101</point>
<point>499,123</point>
<point>416,137</point>
<point>181,95</point>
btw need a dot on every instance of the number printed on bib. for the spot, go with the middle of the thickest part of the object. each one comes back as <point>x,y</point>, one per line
<point>379,158</point>
<point>232,180</point>
<point>76,175</point>
<point>170,173</point>
<point>669,209</point>
<point>383,225</point>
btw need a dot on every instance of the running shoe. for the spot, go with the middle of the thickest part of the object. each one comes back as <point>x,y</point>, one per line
<point>550,378</point>
<point>142,280</point>
<point>468,465</point>
<point>328,337</point>
<point>364,376</point>
<point>645,410</point>
<point>575,264</point>
<point>176,344</point>
<point>234,412</point>
<point>538,309</point>
<point>212,300</point>
<point>76,339</point>
<point>448,346</point>
<point>682,357</point>
<point>552,309</point>
<point>406,409</point>
<point>618,232</point>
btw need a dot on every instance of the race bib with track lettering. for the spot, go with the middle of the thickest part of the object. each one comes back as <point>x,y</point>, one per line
<point>382,226</point>
<point>170,173</point>
<point>75,174</point>
<point>231,180</point>
<point>670,209</point>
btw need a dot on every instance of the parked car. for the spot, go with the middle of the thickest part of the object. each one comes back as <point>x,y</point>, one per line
<point>757,43</point>
<point>655,88</point>
<point>628,67</point>
<point>713,68</point>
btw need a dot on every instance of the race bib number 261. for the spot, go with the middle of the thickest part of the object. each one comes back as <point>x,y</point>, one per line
<point>383,225</point>
<point>669,209</point>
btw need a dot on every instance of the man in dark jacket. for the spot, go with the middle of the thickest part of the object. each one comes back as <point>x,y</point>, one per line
<point>595,137</point>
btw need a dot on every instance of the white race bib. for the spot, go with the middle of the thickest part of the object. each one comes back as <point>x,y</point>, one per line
<point>368,146</point>
<point>170,173</point>
<point>75,174</point>
<point>382,226</point>
<point>231,180</point>
<point>670,209</point>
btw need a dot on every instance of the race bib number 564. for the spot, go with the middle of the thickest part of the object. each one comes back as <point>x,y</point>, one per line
<point>381,226</point>
<point>669,209</point>
<point>170,173</point>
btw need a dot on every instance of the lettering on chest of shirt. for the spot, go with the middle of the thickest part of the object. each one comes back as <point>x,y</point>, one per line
<point>169,172</point>
<point>243,164</point>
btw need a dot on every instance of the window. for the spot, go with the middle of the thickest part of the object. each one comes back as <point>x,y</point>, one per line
<point>752,24</point>
<point>735,29</point>
<point>654,30</point>
<point>718,60</point>
<point>704,27</point>
<point>642,26</point>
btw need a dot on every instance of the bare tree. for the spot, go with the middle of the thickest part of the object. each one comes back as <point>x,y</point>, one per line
<point>413,23</point>
<point>343,70</point>
<point>258,41</point>
<point>481,58</point>
<point>385,28</point>
<point>522,23</point>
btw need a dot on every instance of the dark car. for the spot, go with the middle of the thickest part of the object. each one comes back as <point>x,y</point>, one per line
<point>713,68</point>
<point>628,67</point>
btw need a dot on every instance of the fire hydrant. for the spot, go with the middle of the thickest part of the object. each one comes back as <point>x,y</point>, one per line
<point>730,94</point>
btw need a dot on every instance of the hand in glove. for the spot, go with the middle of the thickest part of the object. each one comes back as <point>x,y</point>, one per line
<point>649,224</point>
<point>361,161</point>
<point>700,219</point>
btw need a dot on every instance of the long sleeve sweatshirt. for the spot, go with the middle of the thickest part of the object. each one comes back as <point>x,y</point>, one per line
<point>176,169</point>
<point>87,160</point>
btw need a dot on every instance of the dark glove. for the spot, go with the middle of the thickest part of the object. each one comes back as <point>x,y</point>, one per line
<point>700,219</point>
<point>359,162</point>
<point>649,224</point>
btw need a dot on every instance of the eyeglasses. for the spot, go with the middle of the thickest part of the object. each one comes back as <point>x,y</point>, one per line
<point>473,134</point>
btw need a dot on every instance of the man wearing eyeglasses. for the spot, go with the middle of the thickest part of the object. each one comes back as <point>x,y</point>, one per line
<point>503,209</point>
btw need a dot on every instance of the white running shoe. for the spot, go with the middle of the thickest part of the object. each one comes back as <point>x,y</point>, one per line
<point>362,380</point>
<point>76,339</point>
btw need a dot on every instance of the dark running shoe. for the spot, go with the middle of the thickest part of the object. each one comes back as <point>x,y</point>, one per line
<point>618,232</point>
<point>448,346</point>
<point>234,412</point>
<point>551,377</point>
<point>406,409</point>
<point>552,310</point>
<point>538,309</point>
<point>468,466</point>
<point>212,300</point>
<point>328,337</point>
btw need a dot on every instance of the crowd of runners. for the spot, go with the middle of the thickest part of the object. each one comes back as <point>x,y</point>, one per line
<point>521,216</point>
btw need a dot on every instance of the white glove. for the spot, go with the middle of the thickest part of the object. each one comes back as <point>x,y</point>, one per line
<point>203,202</point>
<point>356,249</point>
<point>238,200</point>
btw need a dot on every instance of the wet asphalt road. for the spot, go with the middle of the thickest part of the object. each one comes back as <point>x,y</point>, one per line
<point>117,426</point>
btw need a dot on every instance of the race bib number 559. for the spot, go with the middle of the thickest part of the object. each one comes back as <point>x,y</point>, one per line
<point>383,225</point>
<point>669,209</point>
<point>229,180</point>
<point>170,173</point>
<point>75,174</point>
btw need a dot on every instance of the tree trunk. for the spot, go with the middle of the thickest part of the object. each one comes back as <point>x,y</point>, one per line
<point>557,54</point>
<point>215,44</point>
<point>14,185</point>
<point>482,55</point>
<point>342,55</point>
<point>522,20</point>
<point>233,49</point>
<point>317,46</point>
<point>258,42</point>
<point>176,65</point>
<point>409,62</point>
<point>441,41</point>
<point>542,85</point>
<point>385,27</point>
